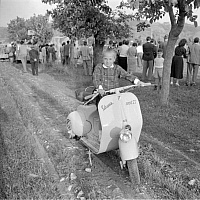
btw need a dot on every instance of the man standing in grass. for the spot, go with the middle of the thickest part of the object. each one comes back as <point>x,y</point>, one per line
<point>67,53</point>
<point>85,53</point>
<point>149,52</point>
<point>23,51</point>
<point>34,60</point>
<point>194,62</point>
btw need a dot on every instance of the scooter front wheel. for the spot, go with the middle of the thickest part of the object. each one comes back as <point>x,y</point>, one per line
<point>133,172</point>
<point>69,129</point>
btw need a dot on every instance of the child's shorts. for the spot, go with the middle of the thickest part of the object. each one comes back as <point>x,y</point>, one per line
<point>158,72</point>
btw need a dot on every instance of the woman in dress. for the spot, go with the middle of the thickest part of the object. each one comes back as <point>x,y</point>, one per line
<point>178,63</point>
<point>132,58</point>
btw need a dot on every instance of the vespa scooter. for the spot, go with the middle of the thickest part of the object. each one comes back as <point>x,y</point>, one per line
<point>115,124</point>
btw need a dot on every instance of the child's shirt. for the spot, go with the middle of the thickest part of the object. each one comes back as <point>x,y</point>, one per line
<point>108,78</point>
<point>158,62</point>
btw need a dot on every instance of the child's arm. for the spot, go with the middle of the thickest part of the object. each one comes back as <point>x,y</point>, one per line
<point>97,77</point>
<point>128,76</point>
<point>154,65</point>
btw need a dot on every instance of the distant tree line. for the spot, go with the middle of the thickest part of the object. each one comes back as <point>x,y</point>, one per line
<point>18,28</point>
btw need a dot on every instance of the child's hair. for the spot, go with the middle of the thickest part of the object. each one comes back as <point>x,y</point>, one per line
<point>160,50</point>
<point>109,50</point>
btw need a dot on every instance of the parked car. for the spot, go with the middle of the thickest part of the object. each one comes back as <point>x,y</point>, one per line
<point>4,52</point>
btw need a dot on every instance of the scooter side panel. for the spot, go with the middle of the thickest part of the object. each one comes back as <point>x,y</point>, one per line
<point>115,111</point>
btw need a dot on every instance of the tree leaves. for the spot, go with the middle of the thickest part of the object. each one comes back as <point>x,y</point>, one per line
<point>153,10</point>
<point>196,4</point>
<point>18,28</point>
<point>81,18</point>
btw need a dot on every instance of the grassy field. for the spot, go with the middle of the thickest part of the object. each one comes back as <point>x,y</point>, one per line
<point>175,128</point>
<point>170,142</point>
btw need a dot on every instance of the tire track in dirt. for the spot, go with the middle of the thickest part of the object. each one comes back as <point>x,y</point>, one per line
<point>2,152</point>
<point>17,87</point>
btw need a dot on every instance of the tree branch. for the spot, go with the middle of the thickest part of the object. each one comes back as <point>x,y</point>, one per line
<point>171,15</point>
<point>182,13</point>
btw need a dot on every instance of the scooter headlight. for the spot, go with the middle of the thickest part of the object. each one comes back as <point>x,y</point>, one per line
<point>125,134</point>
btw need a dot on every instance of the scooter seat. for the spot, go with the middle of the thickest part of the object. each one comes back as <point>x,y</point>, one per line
<point>87,109</point>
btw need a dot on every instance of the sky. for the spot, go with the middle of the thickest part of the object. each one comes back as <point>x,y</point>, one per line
<point>10,9</point>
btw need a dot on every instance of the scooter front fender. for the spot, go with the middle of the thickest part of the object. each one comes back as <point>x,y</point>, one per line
<point>78,123</point>
<point>128,150</point>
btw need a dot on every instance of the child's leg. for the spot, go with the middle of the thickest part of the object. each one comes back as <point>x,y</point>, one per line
<point>160,82</point>
<point>160,78</point>
<point>157,81</point>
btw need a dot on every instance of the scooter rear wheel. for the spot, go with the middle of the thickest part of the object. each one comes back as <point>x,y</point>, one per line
<point>133,172</point>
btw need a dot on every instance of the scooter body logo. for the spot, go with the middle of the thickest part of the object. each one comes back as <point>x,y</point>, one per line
<point>131,102</point>
<point>104,107</point>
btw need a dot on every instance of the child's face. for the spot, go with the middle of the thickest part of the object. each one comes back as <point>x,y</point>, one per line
<point>160,54</point>
<point>109,59</point>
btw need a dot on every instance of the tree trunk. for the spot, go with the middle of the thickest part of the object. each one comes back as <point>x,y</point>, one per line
<point>176,28</point>
<point>167,68</point>
<point>98,48</point>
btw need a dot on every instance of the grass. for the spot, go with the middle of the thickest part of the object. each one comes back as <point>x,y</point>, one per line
<point>176,126</point>
<point>24,175</point>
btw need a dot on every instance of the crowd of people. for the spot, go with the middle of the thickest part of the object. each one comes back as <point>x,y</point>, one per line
<point>85,52</point>
<point>35,53</point>
<point>150,57</point>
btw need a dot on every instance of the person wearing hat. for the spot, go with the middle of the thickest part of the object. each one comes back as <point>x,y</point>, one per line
<point>34,60</point>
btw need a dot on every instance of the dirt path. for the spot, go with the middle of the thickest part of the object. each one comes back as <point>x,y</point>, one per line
<point>42,105</point>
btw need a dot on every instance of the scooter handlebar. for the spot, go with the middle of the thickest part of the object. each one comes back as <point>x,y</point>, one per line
<point>115,90</point>
<point>127,87</point>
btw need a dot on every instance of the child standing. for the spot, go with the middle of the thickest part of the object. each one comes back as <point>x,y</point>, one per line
<point>158,69</point>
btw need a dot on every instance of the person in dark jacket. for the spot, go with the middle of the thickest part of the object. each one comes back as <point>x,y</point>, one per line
<point>67,53</point>
<point>149,53</point>
<point>34,60</point>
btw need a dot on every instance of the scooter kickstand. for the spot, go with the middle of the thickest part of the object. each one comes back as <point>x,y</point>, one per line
<point>122,164</point>
<point>89,155</point>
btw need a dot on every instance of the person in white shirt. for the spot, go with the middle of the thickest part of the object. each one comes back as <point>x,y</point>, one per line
<point>123,54</point>
<point>139,54</point>
<point>23,51</point>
